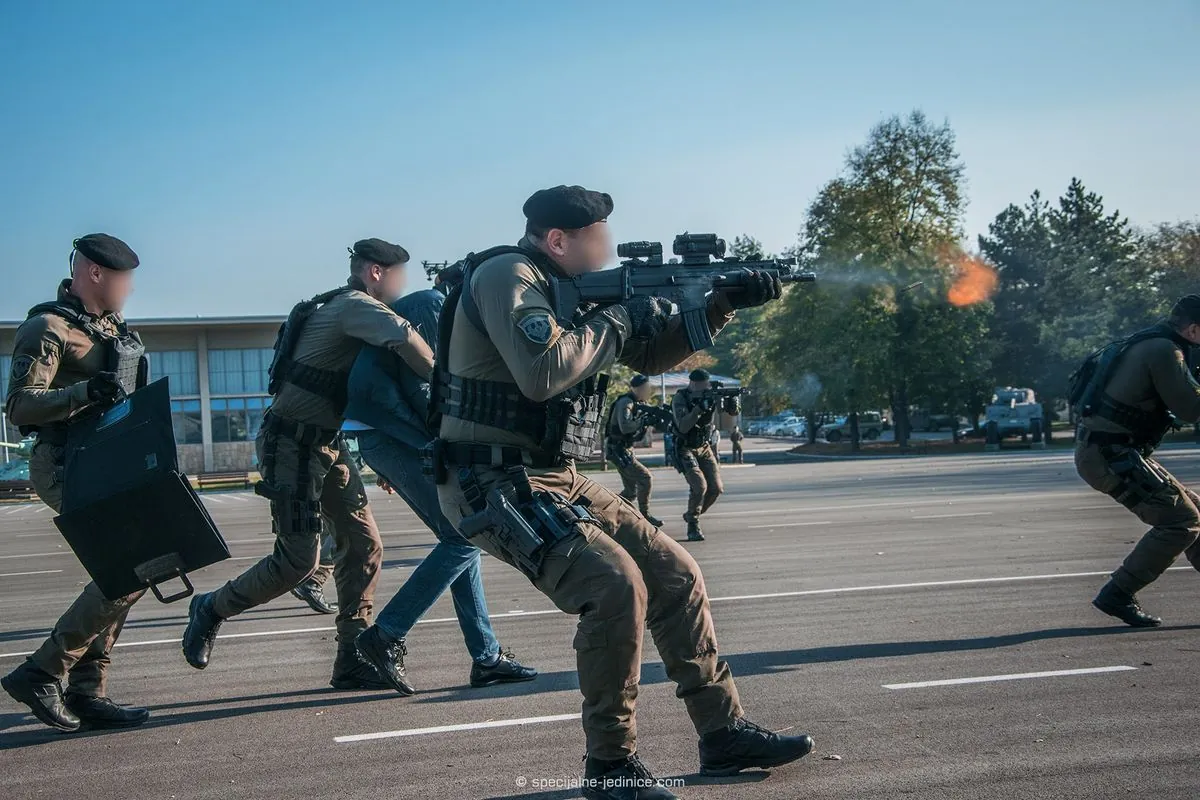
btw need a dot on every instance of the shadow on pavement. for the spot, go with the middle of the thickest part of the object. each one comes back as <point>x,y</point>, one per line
<point>309,698</point>
<point>776,661</point>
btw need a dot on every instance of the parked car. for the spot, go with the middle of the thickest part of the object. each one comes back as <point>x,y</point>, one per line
<point>776,429</point>
<point>922,420</point>
<point>759,427</point>
<point>870,426</point>
<point>795,429</point>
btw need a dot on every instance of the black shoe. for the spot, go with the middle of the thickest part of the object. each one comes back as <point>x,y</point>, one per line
<point>743,745</point>
<point>506,670</point>
<point>386,656</point>
<point>313,593</point>
<point>694,533</point>
<point>201,632</point>
<point>98,713</point>
<point>29,685</point>
<point>351,671</point>
<point>1118,603</point>
<point>653,520</point>
<point>628,779</point>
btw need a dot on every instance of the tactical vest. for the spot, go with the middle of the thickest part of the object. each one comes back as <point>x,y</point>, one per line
<point>1088,384</point>
<point>326,383</point>
<point>566,427</point>
<point>613,427</point>
<point>124,356</point>
<point>701,433</point>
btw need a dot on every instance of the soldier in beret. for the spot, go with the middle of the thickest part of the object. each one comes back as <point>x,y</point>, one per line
<point>73,358</point>
<point>519,392</point>
<point>697,458</point>
<point>307,471</point>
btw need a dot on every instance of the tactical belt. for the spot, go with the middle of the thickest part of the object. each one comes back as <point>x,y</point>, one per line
<point>1104,438</point>
<point>306,435</point>
<point>470,454</point>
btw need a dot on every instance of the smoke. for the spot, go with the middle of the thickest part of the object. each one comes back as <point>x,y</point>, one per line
<point>806,392</point>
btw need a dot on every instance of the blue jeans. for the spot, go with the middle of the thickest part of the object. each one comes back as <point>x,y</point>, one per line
<point>452,564</point>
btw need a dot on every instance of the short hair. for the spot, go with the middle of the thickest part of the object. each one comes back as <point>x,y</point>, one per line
<point>1186,311</point>
<point>358,263</point>
<point>535,231</point>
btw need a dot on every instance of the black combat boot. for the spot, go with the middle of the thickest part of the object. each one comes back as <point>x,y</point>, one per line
<point>351,671</point>
<point>1116,602</point>
<point>386,655</point>
<point>694,533</point>
<point>313,593</point>
<point>506,670</point>
<point>653,520</point>
<point>97,713</point>
<point>743,745</point>
<point>201,632</point>
<point>627,779</point>
<point>31,686</point>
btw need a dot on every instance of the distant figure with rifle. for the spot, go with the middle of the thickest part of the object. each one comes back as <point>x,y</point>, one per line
<point>694,408</point>
<point>1128,395</point>
<point>628,420</point>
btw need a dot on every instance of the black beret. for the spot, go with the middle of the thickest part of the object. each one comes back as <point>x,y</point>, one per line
<point>377,251</point>
<point>106,251</point>
<point>1187,308</point>
<point>568,208</point>
<point>638,380</point>
<point>699,375</point>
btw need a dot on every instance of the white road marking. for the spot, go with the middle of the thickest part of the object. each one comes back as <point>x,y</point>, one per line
<point>545,612</point>
<point>36,555</point>
<point>1020,676</point>
<point>954,516</point>
<point>40,509</point>
<point>237,497</point>
<point>30,535</point>
<point>957,501</point>
<point>470,726</point>
<point>213,500</point>
<point>790,525</point>
<point>38,572</point>
<point>15,510</point>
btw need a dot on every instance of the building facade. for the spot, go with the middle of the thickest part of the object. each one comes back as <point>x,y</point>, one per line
<point>217,369</point>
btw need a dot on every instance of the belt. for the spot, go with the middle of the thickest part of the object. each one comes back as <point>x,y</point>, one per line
<point>303,433</point>
<point>470,454</point>
<point>1104,438</point>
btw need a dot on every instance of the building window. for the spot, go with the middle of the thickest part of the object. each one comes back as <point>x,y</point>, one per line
<point>180,366</point>
<point>237,419</point>
<point>185,419</point>
<point>238,371</point>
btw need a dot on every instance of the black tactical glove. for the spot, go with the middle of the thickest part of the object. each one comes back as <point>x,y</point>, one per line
<point>648,316</point>
<point>760,287</point>
<point>104,387</point>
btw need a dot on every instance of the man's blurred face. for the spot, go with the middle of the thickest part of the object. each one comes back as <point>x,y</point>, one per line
<point>642,393</point>
<point>698,386</point>
<point>391,282</point>
<point>1192,333</point>
<point>109,289</point>
<point>580,251</point>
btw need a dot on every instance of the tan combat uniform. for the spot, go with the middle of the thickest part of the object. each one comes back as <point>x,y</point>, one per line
<point>699,464</point>
<point>301,454</point>
<point>635,478</point>
<point>53,358</point>
<point>623,574</point>
<point>1152,372</point>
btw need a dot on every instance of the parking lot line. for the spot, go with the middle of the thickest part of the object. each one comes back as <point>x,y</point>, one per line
<point>36,572</point>
<point>469,726</point>
<point>1020,676</point>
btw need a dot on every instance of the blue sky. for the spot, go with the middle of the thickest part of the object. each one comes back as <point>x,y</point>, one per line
<point>240,147</point>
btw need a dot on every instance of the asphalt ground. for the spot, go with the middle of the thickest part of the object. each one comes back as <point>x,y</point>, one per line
<point>840,591</point>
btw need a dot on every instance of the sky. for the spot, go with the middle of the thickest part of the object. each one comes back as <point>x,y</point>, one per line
<point>240,147</point>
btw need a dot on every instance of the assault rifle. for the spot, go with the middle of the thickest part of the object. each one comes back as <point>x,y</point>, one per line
<point>686,282</point>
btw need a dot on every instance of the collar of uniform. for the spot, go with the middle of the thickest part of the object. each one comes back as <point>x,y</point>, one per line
<point>539,258</point>
<point>69,298</point>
